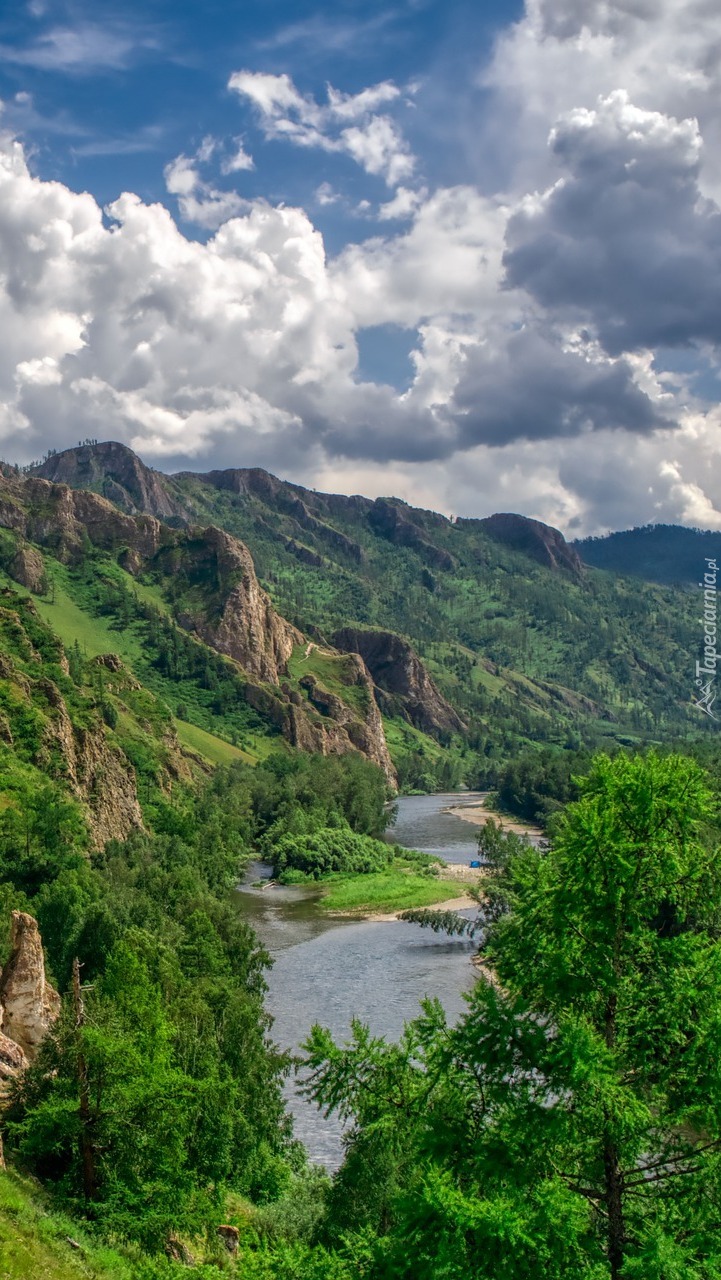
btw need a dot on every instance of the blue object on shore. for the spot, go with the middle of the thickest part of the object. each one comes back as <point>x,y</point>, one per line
<point>474,863</point>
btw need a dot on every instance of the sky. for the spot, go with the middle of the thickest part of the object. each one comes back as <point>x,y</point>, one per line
<point>464,253</point>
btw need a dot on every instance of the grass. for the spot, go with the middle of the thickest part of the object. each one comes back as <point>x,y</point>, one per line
<point>335,672</point>
<point>34,1242</point>
<point>214,749</point>
<point>385,891</point>
<point>98,635</point>
<point>94,635</point>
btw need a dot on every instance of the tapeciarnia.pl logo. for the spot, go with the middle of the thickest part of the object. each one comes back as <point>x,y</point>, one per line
<point>706,670</point>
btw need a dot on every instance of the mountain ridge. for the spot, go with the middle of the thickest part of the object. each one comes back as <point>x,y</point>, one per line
<point>210,577</point>
<point>524,642</point>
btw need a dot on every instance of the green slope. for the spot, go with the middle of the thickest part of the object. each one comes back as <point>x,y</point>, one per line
<point>530,648</point>
<point>526,652</point>
<point>35,1241</point>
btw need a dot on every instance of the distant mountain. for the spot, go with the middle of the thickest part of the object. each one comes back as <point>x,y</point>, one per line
<point>482,636</point>
<point>666,553</point>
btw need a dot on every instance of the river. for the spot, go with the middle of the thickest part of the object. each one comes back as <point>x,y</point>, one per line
<point>330,970</point>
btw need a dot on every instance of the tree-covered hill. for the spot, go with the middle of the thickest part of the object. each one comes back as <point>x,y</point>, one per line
<point>665,553</point>
<point>528,644</point>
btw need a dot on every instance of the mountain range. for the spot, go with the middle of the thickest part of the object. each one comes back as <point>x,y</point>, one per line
<point>251,613</point>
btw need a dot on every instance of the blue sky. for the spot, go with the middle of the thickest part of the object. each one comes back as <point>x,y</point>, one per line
<point>116,92</point>
<point>468,253</point>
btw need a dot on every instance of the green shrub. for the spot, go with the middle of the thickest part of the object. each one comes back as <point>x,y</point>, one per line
<point>330,850</point>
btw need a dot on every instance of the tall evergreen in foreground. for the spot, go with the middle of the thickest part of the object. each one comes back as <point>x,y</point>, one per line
<point>570,1124</point>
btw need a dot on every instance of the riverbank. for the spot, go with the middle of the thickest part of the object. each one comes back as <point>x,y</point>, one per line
<point>479,815</point>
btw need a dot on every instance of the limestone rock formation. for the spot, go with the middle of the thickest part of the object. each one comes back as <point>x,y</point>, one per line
<point>96,772</point>
<point>64,519</point>
<point>12,1059</point>
<point>355,724</point>
<point>29,1003</point>
<point>402,680</point>
<point>219,599</point>
<point>28,568</point>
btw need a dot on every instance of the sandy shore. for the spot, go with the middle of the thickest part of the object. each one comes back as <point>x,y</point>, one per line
<point>451,904</point>
<point>479,815</point>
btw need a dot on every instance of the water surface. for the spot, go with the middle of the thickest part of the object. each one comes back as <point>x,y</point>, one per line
<point>328,969</point>
<point>423,823</point>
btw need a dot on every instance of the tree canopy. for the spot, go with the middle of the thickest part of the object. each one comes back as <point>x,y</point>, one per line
<point>570,1124</point>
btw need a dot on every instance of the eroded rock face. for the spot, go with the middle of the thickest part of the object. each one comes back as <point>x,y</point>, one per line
<point>29,1003</point>
<point>404,685</point>
<point>248,628</point>
<point>62,519</point>
<point>28,568</point>
<point>12,1060</point>
<point>113,470</point>
<point>343,727</point>
<point>97,773</point>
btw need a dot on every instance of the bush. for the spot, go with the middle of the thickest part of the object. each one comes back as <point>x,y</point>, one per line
<point>328,850</point>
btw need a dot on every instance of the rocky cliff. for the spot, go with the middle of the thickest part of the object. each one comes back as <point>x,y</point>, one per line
<point>404,685</point>
<point>343,724</point>
<point>242,623</point>
<point>29,1005</point>
<point>245,626</point>
<point>532,538</point>
<point>115,472</point>
<point>65,520</point>
<point>97,773</point>
<point>211,579</point>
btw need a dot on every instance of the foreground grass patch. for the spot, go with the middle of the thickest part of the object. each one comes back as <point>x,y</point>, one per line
<point>392,890</point>
<point>34,1241</point>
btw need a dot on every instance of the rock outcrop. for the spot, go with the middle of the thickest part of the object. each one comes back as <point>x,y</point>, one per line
<point>403,683</point>
<point>532,538</point>
<point>80,755</point>
<point>64,520</point>
<point>28,568</point>
<point>12,1059</point>
<point>114,471</point>
<point>97,773</point>
<point>30,1005</point>
<point>355,724</point>
<point>246,627</point>
<point>219,599</point>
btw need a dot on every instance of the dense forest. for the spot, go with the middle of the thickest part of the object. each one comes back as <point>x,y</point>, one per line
<point>567,1125</point>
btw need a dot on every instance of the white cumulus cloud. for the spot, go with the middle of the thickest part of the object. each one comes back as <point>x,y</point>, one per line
<point>347,123</point>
